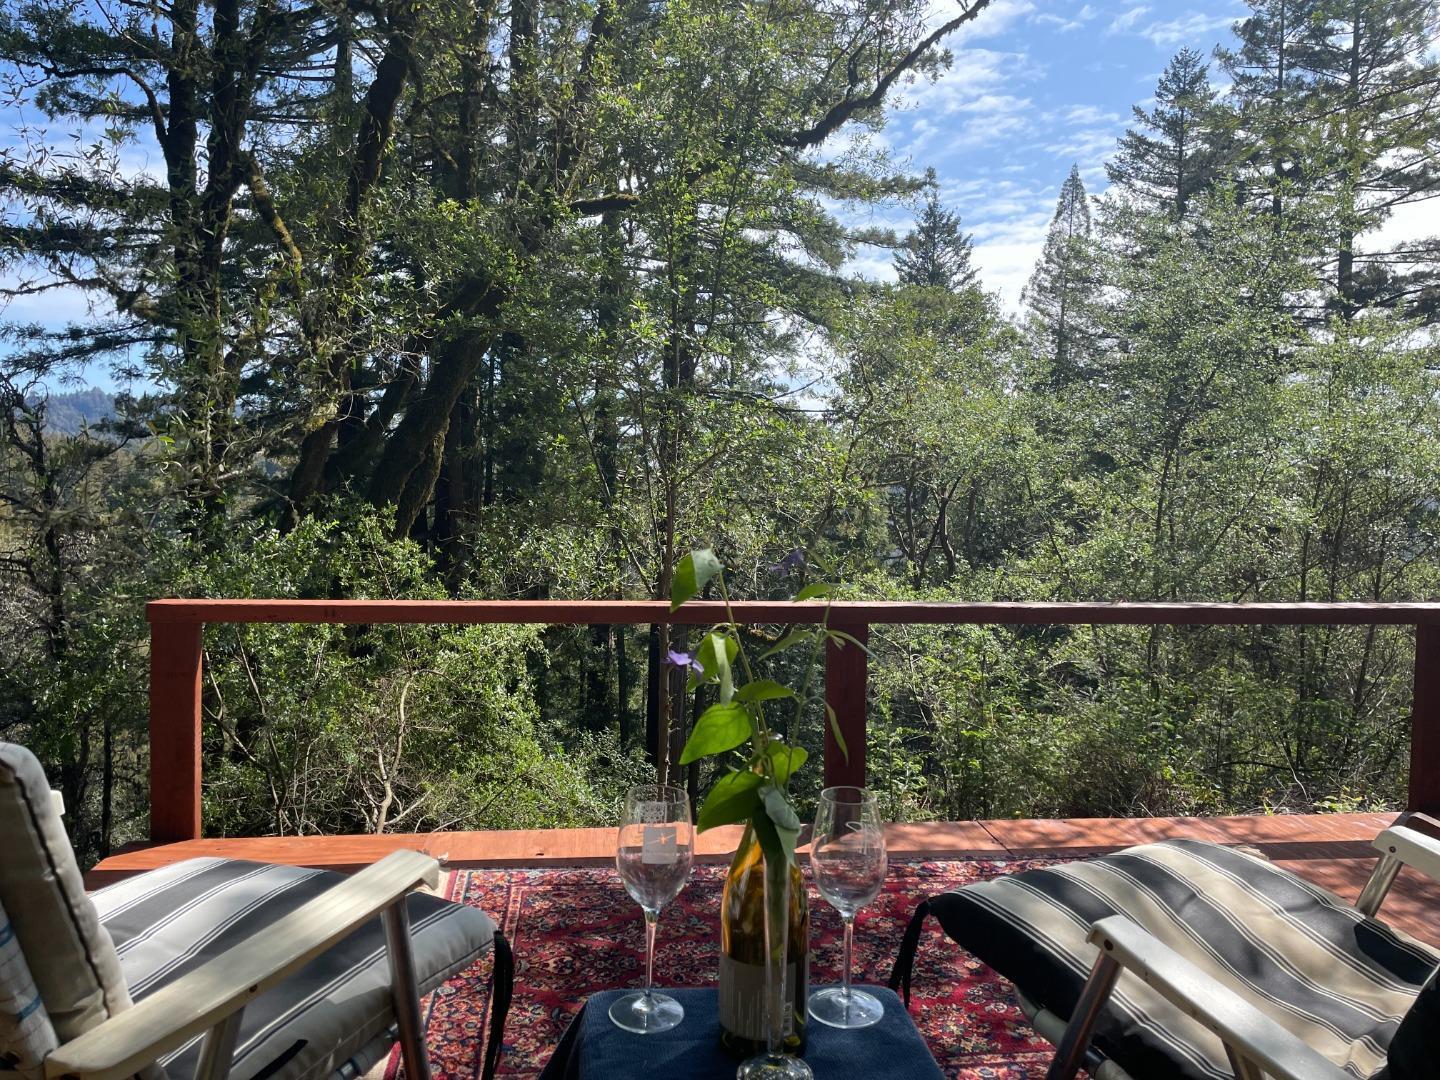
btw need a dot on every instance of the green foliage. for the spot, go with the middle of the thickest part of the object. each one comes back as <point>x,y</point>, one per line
<point>754,792</point>
<point>523,301</point>
<point>937,255</point>
<point>1063,297</point>
<point>334,729</point>
<point>1175,151</point>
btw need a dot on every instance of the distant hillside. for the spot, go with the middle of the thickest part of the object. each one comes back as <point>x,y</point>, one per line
<point>65,414</point>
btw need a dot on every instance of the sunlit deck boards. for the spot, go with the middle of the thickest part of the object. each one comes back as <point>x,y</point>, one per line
<point>1332,850</point>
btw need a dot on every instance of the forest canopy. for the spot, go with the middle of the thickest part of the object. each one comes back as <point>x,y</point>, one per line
<point>527,298</point>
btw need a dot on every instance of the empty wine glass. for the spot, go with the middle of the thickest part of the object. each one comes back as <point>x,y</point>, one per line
<point>847,853</point>
<point>653,854</point>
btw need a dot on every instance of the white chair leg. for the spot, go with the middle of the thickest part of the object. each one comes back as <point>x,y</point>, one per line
<point>405,991</point>
<point>218,1051</point>
<point>1245,1069</point>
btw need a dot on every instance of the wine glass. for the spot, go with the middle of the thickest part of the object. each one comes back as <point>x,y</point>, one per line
<point>653,854</point>
<point>847,853</point>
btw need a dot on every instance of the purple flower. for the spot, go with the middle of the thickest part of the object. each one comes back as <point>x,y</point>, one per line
<point>683,659</point>
<point>790,563</point>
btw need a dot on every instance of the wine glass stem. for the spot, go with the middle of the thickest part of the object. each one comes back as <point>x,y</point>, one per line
<point>652,918</point>
<point>849,921</point>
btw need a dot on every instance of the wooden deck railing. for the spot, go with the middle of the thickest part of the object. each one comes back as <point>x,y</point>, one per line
<point>175,660</point>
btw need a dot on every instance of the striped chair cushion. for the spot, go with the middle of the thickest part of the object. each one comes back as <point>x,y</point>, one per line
<point>331,1017</point>
<point>26,1034</point>
<point>1337,980</point>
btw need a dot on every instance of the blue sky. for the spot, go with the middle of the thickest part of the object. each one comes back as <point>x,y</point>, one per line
<point>1035,86</point>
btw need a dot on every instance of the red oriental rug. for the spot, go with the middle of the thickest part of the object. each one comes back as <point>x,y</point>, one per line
<point>576,932</point>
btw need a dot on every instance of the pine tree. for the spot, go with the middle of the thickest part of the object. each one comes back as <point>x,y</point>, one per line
<point>936,253</point>
<point>1268,90</point>
<point>1170,154</point>
<point>1372,102</point>
<point>1063,295</point>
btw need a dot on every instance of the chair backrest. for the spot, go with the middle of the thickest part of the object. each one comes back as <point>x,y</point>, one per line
<point>61,944</point>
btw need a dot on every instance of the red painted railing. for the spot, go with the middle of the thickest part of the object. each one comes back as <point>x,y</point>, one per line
<point>175,660</point>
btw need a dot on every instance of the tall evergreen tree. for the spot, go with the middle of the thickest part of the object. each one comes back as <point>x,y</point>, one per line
<point>1171,153</point>
<point>936,253</point>
<point>1372,100</point>
<point>1268,88</point>
<point>1063,295</point>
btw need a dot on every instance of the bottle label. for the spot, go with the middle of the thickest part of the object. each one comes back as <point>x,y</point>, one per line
<point>742,999</point>
<point>659,845</point>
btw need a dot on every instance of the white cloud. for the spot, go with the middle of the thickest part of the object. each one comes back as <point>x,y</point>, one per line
<point>989,120</point>
<point>1067,23</point>
<point>969,105</point>
<point>974,72</point>
<point>1127,19</point>
<point>1187,29</point>
<point>1090,114</point>
<point>996,19</point>
<point>1007,256</point>
<point>1086,146</point>
<point>1410,222</point>
<point>872,265</point>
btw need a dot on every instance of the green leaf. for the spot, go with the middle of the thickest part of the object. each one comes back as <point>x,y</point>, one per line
<point>776,826</point>
<point>842,638</point>
<point>716,653</point>
<point>779,810</point>
<point>692,574</point>
<point>770,842</point>
<point>785,760</point>
<point>811,591</point>
<point>789,641</point>
<point>721,727</point>
<point>735,797</point>
<point>763,690</point>
<point>835,730</point>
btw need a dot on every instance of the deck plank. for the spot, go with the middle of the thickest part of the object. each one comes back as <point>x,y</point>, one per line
<point>499,848</point>
<point>1083,836</point>
<point>511,848</point>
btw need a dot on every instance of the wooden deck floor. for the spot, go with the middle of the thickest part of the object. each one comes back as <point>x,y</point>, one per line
<point>1332,850</point>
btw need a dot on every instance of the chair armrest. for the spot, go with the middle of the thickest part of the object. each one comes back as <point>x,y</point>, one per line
<point>1241,1026</point>
<point>1411,847</point>
<point>201,999</point>
<point>1420,822</point>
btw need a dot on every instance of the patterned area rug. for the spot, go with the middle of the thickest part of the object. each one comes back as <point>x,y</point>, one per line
<point>576,932</point>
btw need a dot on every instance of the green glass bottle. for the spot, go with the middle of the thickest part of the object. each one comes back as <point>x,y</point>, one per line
<point>742,955</point>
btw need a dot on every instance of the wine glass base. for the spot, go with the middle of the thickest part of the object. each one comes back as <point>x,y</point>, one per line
<point>832,1006</point>
<point>646,1015</point>
<point>774,1067</point>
